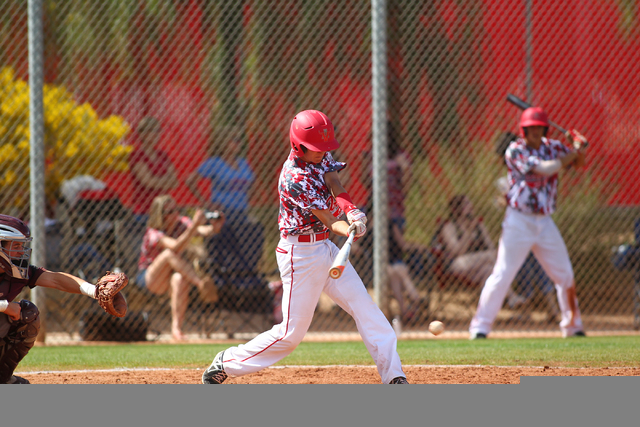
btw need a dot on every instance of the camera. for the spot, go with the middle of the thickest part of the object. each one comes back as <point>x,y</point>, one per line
<point>212,215</point>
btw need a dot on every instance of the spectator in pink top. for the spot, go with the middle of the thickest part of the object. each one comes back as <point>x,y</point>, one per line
<point>162,267</point>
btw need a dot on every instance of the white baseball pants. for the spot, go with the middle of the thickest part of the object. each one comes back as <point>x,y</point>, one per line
<point>304,269</point>
<point>520,234</point>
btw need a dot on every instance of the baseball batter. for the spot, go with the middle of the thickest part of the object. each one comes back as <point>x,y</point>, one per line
<point>533,163</point>
<point>312,200</point>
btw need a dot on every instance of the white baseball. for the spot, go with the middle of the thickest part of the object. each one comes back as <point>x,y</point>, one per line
<point>436,327</point>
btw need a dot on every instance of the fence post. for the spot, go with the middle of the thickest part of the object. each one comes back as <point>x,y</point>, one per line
<point>379,127</point>
<point>36,161</point>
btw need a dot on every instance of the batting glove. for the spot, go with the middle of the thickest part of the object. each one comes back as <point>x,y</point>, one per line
<point>356,215</point>
<point>577,139</point>
<point>359,228</point>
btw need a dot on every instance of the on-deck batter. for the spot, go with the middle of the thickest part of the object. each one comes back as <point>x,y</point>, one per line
<point>533,162</point>
<point>312,200</point>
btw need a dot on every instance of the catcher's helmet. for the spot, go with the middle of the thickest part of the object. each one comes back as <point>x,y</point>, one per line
<point>533,116</point>
<point>314,130</point>
<point>15,247</point>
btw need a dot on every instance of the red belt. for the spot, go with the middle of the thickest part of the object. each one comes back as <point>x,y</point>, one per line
<point>306,238</point>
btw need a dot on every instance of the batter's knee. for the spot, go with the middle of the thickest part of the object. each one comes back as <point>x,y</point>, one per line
<point>566,280</point>
<point>294,338</point>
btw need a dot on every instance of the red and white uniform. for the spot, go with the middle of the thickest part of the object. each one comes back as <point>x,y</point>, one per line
<point>304,269</point>
<point>528,226</point>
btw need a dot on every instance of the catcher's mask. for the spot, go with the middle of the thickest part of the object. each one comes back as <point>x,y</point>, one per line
<point>15,247</point>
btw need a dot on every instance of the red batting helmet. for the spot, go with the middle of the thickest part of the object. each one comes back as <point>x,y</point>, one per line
<point>533,116</point>
<point>15,247</point>
<point>314,130</point>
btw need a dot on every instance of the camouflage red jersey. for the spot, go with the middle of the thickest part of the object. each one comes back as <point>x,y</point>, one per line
<point>530,192</point>
<point>302,188</point>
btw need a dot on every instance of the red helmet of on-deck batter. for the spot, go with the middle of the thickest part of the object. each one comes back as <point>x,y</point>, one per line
<point>533,116</point>
<point>314,130</point>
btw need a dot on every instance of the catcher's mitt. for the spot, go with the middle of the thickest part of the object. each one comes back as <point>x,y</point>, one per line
<point>108,293</point>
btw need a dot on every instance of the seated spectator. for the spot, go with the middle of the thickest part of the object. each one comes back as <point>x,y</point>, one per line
<point>468,250</point>
<point>163,268</point>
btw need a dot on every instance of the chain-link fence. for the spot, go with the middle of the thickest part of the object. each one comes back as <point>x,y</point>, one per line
<point>193,98</point>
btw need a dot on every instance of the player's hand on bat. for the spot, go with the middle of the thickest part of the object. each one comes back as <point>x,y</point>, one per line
<point>576,139</point>
<point>359,228</point>
<point>579,144</point>
<point>356,215</point>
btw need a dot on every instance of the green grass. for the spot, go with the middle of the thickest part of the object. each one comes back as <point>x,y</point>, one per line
<point>573,352</point>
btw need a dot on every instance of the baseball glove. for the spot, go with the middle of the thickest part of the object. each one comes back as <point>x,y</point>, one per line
<point>108,293</point>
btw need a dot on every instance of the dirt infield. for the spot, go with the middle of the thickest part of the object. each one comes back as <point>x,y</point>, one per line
<point>327,375</point>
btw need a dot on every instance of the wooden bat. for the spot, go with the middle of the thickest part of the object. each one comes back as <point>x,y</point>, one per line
<point>524,105</point>
<point>340,262</point>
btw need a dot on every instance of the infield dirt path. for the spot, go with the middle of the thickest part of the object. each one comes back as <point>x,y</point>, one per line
<point>327,375</point>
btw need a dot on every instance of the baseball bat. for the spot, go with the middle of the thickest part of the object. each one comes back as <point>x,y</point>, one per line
<point>340,262</point>
<point>518,102</point>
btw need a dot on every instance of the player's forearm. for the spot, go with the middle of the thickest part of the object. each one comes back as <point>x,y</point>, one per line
<point>66,282</point>
<point>548,167</point>
<point>332,180</point>
<point>340,228</point>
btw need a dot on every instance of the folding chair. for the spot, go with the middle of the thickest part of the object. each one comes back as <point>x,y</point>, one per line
<point>243,291</point>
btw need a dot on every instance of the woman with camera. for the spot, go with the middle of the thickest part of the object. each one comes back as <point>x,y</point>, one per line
<point>162,266</point>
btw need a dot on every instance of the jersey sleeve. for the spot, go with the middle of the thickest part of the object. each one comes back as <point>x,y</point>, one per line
<point>34,275</point>
<point>329,164</point>
<point>521,160</point>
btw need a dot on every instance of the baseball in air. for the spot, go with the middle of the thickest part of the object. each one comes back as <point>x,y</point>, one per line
<point>436,327</point>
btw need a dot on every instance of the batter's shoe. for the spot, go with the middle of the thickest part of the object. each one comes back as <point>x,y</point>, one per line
<point>215,373</point>
<point>17,380</point>
<point>399,380</point>
<point>478,336</point>
<point>579,334</point>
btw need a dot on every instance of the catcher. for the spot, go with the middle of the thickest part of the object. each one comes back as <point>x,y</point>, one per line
<point>20,321</point>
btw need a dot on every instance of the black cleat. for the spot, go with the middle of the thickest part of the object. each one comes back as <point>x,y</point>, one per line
<point>399,380</point>
<point>580,334</point>
<point>215,373</point>
<point>478,336</point>
<point>17,380</point>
